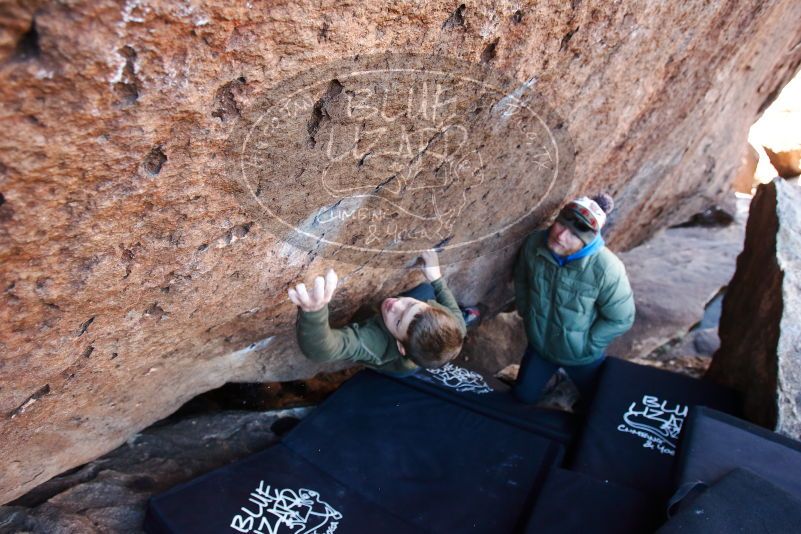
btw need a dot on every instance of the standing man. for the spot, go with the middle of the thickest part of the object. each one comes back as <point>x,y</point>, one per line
<point>574,297</point>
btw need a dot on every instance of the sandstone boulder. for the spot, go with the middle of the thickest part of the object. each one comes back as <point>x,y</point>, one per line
<point>760,352</point>
<point>777,134</point>
<point>745,179</point>
<point>497,343</point>
<point>139,267</point>
<point>786,161</point>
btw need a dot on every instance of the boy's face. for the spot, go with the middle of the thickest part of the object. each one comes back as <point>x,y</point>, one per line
<point>398,312</point>
<point>563,241</point>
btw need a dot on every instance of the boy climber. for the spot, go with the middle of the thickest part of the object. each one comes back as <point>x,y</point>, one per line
<point>574,297</point>
<point>425,328</point>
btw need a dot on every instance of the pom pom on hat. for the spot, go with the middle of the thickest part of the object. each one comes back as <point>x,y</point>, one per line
<point>605,202</point>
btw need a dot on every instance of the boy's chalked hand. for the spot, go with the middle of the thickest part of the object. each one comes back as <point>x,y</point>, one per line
<point>431,265</point>
<point>320,294</point>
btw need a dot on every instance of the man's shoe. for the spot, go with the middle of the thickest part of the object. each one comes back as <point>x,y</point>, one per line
<point>472,316</point>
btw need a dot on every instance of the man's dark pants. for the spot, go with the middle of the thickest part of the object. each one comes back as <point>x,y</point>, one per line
<point>535,372</point>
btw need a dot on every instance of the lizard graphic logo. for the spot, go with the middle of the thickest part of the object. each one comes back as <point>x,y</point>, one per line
<point>461,379</point>
<point>657,422</point>
<point>279,511</point>
<point>386,155</point>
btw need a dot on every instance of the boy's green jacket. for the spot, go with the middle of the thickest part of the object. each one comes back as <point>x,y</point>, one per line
<point>571,313</point>
<point>368,342</point>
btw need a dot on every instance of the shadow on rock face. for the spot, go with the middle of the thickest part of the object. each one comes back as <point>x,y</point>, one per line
<point>266,396</point>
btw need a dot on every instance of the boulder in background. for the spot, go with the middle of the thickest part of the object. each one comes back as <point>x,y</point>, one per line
<point>760,331</point>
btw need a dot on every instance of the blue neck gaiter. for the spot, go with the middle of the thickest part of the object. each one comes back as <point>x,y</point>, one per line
<point>590,248</point>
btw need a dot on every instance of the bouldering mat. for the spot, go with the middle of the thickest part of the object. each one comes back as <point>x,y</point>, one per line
<point>571,502</point>
<point>491,397</point>
<point>634,422</point>
<point>715,443</point>
<point>740,501</point>
<point>379,449</point>
<point>434,463</point>
<point>271,492</point>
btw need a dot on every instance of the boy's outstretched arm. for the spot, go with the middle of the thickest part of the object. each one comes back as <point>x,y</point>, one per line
<point>318,341</point>
<point>443,294</point>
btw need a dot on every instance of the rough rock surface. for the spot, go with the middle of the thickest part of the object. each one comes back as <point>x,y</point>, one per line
<point>674,276</point>
<point>133,277</point>
<point>110,493</point>
<point>760,353</point>
<point>690,355</point>
<point>779,130</point>
<point>269,395</point>
<point>745,179</point>
<point>787,161</point>
<point>495,344</point>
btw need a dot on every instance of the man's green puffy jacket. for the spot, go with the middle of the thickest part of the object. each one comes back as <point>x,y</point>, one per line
<point>571,313</point>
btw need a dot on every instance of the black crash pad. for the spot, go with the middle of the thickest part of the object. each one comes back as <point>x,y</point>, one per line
<point>381,450</point>
<point>741,501</point>
<point>274,491</point>
<point>571,502</point>
<point>715,443</point>
<point>432,462</point>
<point>491,397</point>
<point>634,422</point>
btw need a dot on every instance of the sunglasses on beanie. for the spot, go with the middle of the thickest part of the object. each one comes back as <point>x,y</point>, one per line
<point>576,221</point>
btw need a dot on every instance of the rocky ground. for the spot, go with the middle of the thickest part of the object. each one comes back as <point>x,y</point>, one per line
<point>110,493</point>
<point>677,277</point>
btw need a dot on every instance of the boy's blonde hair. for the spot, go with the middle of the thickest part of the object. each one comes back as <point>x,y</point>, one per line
<point>433,338</point>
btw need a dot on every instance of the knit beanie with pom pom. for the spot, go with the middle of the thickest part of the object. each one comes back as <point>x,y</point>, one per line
<point>586,216</point>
